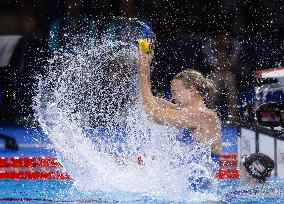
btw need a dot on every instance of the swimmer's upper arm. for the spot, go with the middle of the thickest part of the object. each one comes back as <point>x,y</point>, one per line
<point>176,118</point>
<point>165,104</point>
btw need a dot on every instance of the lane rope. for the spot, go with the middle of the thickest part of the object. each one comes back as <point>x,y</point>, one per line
<point>51,168</point>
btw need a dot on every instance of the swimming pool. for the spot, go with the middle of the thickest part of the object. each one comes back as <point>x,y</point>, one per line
<point>53,191</point>
<point>35,145</point>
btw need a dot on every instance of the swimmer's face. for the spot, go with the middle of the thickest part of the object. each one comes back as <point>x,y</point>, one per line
<point>181,95</point>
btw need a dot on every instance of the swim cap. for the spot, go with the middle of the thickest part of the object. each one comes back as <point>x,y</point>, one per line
<point>258,165</point>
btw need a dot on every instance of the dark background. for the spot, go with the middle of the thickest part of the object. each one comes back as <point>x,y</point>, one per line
<point>180,27</point>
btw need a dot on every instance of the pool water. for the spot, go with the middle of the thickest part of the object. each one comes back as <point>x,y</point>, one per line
<point>58,191</point>
<point>52,191</point>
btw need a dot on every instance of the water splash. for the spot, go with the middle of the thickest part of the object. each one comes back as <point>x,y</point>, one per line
<point>88,105</point>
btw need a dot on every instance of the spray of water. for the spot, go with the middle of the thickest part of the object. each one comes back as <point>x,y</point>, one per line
<point>88,105</point>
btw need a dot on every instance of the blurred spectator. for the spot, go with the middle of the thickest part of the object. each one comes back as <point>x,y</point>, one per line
<point>11,67</point>
<point>221,54</point>
<point>21,18</point>
<point>126,8</point>
<point>64,30</point>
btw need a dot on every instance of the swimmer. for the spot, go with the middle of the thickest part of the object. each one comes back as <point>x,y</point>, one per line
<point>255,169</point>
<point>189,111</point>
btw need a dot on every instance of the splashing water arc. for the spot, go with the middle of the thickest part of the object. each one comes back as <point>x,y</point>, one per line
<point>88,105</point>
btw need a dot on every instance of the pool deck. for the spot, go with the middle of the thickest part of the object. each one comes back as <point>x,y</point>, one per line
<point>32,142</point>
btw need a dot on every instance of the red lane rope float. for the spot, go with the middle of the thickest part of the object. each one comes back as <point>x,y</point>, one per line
<point>31,168</point>
<point>228,173</point>
<point>228,160</point>
<point>18,162</point>
<point>29,162</point>
<point>229,156</point>
<point>48,162</point>
<point>4,162</point>
<point>56,175</point>
<point>228,167</point>
<point>33,174</point>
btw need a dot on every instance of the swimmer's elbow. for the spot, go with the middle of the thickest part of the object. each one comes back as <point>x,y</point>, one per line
<point>157,116</point>
<point>216,147</point>
<point>152,114</point>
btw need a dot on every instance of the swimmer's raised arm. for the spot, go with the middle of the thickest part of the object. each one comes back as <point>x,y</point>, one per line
<point>143,65</point>
<point>166,114</point>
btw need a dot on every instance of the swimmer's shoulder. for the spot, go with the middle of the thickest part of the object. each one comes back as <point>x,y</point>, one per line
<point>208,115</point>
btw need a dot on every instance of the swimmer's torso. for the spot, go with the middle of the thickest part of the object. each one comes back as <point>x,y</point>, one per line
<point>186,138</point>
<point>208,130</point>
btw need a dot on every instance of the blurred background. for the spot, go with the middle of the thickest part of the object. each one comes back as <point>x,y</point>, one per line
<point>227,40</point>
